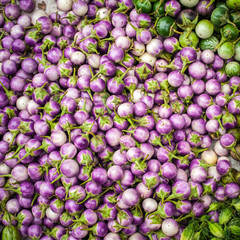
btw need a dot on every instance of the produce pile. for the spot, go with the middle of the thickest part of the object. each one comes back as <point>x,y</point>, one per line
<point>118,119</point>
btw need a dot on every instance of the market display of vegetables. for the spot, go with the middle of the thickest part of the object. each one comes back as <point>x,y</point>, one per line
<point>120,119</point>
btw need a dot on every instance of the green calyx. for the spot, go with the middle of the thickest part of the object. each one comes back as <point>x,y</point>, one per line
<point>65,217</point>
<point>151,182</point>
<point>10,112</point>
<point>152,86</point>
<point>92,48</point>
<point>43,207</point>
<point>207,189</point>
<point>195,138</point>
<point>194,192</point>
<point>162,195</point>
<point>116,101</point>
<point>196,152</point>
<point>48,109</point>
<point>108,156</point>
<point>77,225</point>
<point>1,117</point>
<point>140,165</point>
<point>97,140</point>
<point>86,127</point>
<point>55,89</point>
<point>54,232</point>
<point>164,85</point>
<point>40,93</point>
<point>105,212</point>
<point>64,72</point>
<point>20,218</point>
<point>47,45</point>
<point>44,61</point>
<point>29,90</point>
<point>86,160</point>
<point>52,122</point>
<point>24,127</point>
<point>183,159</point>
<point>170,10</point>
<point>63,44</point>
<point>104,120</point>
<point>168,137</point>
<point>112,199</point>
<point>59,203</point>
<point>68,126</point>
<point>176,106</point>
<point>73,79</point>
<point>228,118</point>
<point>71,17</point>
<point>118,227</point>
<point>122,215</point>
<point>35,35</point>
<point>175,195</point>
<point>127,58</point>
<point>144,72</point>
<point>9,93</point>
<point>156,141</point>
<point>188,24</point>
<point>74,195</point>
<point>122,8</point>
<point>185,64</point>
<point>119,119</point>
<point>156,219</point>
<point>158,214</point>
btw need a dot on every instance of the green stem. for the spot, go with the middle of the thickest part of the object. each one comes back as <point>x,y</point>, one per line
<point>188,33</point>
<point>182,217</point>
<point>179,32</point>
<point>56,179</point>
<point>34,198</point>
<point>1,36</point>
<point>135,28</point>
<point>119,183</point>
<point>90,179</point>
<point>232,177</point>
<point>184,67</point>
<point>210,3</point>
<point>139,166</point>
<point>5,89</point>
<point>99,72</point>
<point>131,123</point>
<point>220,43</point>
<point>89,93</point>
<point>122,9</point>
<point>6,175</point>
<point>5,17</point>
<point>91,72</point>
<point>14,134</point>
<point>16,152</point>
<point>85,199</point>
<point>220,123</point>
<point>234,150</point>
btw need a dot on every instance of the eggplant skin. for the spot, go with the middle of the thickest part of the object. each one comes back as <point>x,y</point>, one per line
<point>188,14</point>
<point>10,233</point>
